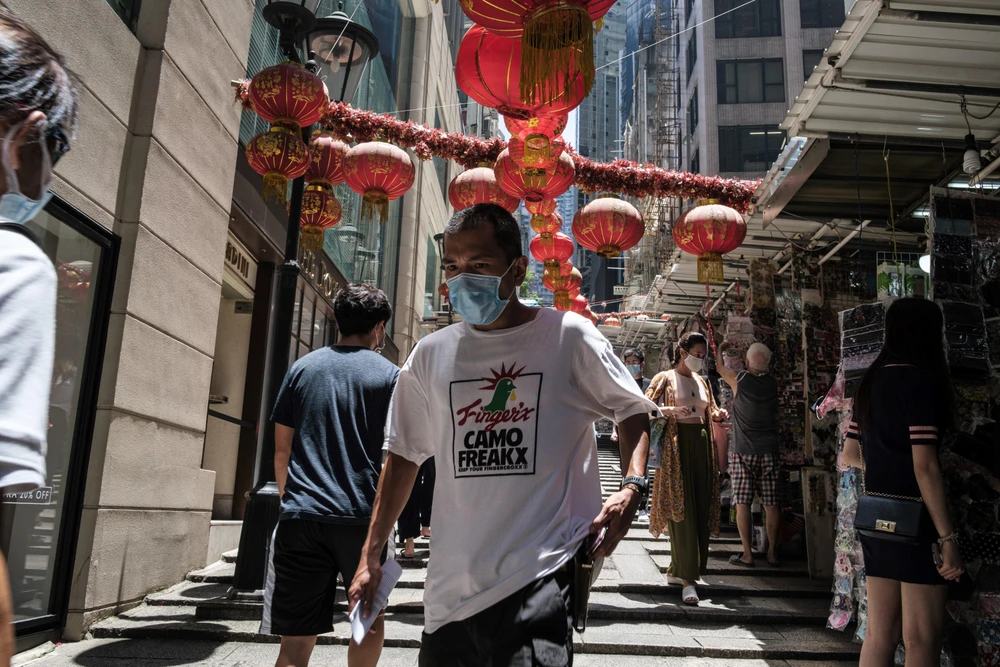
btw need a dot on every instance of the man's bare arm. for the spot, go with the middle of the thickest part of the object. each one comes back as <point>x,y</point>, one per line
<point>394,487</point>
<point>620,508</point>
<point>283,436</point>
<point>728,374</point>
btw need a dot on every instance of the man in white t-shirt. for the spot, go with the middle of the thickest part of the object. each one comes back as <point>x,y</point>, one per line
<point>506,401</point>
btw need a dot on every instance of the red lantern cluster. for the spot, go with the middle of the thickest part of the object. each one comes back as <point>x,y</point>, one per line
<point>710,230</point>
<point>608,226</point>
<point>479,186</point>
<point>380,172</point>
<point>290,97</point>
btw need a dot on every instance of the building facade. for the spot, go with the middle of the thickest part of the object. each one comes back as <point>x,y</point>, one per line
<point>166,254</point>
<point>740,74</point>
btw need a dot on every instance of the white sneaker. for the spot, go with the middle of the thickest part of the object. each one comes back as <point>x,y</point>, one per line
<point>642,516</point>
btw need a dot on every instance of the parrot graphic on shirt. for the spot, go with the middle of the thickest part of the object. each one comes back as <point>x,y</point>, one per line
<point>503,393</point>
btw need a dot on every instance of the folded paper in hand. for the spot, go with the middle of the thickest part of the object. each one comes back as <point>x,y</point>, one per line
<point>391,571</point>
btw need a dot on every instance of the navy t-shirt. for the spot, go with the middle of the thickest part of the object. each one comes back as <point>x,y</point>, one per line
<point>337,400</point>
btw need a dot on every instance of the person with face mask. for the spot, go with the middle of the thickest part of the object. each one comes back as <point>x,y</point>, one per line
<point>685,499</point>
<point>506,402</point>
<point>38,104</point>
<point>329,423</point>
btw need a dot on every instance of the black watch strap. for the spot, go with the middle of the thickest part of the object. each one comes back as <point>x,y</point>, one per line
<point>638,481</point>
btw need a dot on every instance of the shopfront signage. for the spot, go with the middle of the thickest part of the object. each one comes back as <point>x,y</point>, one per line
<point>39,496</point>
<point>316,270</point>
<point>620,290</point>
<point>238,260</point>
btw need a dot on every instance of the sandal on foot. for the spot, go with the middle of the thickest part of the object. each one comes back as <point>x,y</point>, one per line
<point>774,563</point>
<point>690,596</point>
<point>737,559</point>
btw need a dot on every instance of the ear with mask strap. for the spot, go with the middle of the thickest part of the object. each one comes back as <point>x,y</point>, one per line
<point>15,206</point>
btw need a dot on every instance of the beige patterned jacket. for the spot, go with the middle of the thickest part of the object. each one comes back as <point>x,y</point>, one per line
<point>667,502</point>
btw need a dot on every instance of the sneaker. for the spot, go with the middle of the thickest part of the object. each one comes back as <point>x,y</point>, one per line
<point>642,516</point>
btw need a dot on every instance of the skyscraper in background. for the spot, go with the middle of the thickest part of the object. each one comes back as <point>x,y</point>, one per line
<point>599,137</point>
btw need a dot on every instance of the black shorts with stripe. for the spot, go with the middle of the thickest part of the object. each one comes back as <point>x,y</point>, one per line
<point>301,588</point>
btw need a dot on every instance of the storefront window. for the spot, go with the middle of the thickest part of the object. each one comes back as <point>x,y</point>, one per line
<point>37,531</point>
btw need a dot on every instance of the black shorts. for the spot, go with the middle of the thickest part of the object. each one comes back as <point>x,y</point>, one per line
<point>301,588</point>
<point>531,628</point>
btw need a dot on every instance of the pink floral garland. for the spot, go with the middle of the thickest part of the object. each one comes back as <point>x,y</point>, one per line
<point>621,176</point>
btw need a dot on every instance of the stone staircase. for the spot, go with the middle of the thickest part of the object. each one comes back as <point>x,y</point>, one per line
<point>774,614</point>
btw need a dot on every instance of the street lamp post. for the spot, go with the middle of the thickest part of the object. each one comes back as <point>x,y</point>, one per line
<point>338,51</point>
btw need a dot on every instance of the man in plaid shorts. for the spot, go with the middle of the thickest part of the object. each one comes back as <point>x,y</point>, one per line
<point>753,457</point>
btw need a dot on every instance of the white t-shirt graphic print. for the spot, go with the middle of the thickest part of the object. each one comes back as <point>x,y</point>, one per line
<point>510,417</point>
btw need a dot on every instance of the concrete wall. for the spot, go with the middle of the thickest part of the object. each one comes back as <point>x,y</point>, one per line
<point>154,161</point>
<point>425,206</point>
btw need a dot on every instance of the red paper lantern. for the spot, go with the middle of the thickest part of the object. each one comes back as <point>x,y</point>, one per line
<point>564,287</point>
<point>710,230</point>
<point>557,38</point>
<point>479,186</point>
<point>546,224</point>
<point>579,304</point>
<point>288,94</point>
<point>320,211</point>
<point>552,252</point>
<point>534,185</point>
<point>608,226</point>
<point>488,70</point>
<point>278,155</point>
<point>544,207</point>
<point>539,152</point>
<point>380,172</point>
<point>326,164</point>
<point>612,321</point>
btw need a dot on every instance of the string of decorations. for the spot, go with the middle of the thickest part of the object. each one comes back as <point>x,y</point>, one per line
<point>621,176</point>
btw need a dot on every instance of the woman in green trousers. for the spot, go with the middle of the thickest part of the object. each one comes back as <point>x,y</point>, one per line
<point>686,493</point>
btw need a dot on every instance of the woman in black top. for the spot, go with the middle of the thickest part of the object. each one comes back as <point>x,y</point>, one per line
<point>904,403</point>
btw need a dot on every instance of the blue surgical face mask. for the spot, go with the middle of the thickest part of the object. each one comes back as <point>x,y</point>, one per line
<point>15,206</point>
<point>477,297</point>
<point>635,370</point>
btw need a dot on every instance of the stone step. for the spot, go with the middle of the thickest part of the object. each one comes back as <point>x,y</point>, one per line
<point>688,638</point>
<point>723,566</point>
<point>662,605</point>
<point>150,652</point>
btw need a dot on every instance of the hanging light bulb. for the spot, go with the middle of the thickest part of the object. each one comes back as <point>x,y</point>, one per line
<point>925,263</point>
<point>971,162</point>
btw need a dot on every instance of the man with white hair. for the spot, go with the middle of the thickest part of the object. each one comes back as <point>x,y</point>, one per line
<point>753,457</point>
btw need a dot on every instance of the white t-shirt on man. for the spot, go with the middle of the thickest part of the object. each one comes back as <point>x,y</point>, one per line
<point>510,417</point>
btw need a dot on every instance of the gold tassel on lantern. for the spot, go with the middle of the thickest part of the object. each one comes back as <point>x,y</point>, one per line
<point>557,44</point>
<point>552,270</point>
<point>375,206</point>
<point>275,187</point>
<point>562,300</point>
<point>710,268</point>
<point>536,149</point>
<point>312,238</point>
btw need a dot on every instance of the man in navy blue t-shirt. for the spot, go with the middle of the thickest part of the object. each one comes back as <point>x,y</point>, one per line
<point>329,423</point>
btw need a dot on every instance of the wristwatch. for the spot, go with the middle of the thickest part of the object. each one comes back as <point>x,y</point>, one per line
<point>640,484</point>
